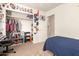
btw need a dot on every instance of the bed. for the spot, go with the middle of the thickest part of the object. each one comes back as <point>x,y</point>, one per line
<point>62,46</point>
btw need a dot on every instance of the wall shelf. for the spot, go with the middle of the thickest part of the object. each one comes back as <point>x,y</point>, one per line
<point>19,11</point>
<point>20,18</point>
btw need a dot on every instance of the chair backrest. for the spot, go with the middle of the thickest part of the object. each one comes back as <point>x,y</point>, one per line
<point>10,36</point>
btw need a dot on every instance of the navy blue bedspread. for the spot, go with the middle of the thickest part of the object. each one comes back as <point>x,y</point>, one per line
<point>62,46</point>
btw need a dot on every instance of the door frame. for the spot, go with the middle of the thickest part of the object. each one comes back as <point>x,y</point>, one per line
<point>50,27</point>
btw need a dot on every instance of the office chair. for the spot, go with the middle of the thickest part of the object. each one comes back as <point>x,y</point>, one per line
<point>8,41</point>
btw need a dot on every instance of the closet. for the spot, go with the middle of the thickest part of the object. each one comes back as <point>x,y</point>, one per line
<point>17,21</point>
<point>18,24</point>
<point>21,22</point>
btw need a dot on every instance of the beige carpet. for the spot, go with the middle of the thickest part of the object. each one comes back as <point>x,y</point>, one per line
<point>30,49</point>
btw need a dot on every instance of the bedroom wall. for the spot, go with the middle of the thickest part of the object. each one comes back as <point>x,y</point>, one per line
<point>42,34</point>
<point>66,20</point>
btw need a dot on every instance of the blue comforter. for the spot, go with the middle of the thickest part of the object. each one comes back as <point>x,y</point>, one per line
<point>62,46</point>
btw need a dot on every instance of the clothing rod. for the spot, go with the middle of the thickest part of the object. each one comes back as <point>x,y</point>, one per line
<point>20,18</point>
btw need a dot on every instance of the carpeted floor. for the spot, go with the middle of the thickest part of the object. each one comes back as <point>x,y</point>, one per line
<point>30,49</point>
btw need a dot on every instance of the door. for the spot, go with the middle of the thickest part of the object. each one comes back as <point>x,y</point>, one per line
<point>50,26</point>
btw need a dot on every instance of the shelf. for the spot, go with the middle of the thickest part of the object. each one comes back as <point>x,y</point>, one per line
<point>27,35</point>
<point>19,11</point>
<point>20,18</point>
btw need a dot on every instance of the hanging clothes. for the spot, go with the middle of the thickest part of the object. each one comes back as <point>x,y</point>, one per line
<point>8,19</point>
<point>20,25</point>
<point>7,27</point>
<point>12,25</point>
<point>17,27</point>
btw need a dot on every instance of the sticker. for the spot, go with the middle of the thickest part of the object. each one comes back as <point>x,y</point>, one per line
<point>12,6</point>
<point>0,7</point>
<point>42,17</point>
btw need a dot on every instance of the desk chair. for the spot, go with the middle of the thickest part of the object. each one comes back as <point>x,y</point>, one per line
<point>6,43</point>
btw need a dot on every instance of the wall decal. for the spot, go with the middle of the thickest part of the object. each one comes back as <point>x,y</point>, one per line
<point>36,18</point>
<point>42,17</point>
<point>7,6</point>
<point>0,7</point>
<point>12,5</point>
<point>16,7</point>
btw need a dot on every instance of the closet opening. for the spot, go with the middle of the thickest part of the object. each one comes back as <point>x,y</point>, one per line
<point>51,26</point>
<point>18,26</point>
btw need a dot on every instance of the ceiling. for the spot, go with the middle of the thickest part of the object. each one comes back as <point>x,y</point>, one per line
<point>42,6</point>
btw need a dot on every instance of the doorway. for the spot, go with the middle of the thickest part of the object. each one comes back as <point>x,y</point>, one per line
<point>50,26</point>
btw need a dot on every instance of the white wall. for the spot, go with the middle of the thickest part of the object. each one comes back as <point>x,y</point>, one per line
<point>41,36</point>
<point>66,20</point>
